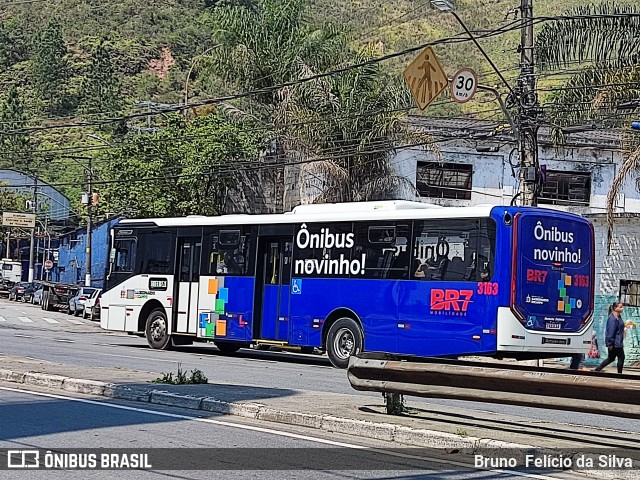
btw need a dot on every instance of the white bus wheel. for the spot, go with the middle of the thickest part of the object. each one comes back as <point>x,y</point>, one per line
<point>158,337</point>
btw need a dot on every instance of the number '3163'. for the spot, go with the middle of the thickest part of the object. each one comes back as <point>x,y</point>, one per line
<point>487,288</point>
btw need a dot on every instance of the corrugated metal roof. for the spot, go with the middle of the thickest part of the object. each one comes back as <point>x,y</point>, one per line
<point>53,204</point>
<point>467,127</point>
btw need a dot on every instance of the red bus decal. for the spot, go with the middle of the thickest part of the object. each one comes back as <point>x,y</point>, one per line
<point>450,300</point>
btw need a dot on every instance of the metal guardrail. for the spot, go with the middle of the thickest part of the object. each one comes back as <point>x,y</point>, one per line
<point>546,388</point>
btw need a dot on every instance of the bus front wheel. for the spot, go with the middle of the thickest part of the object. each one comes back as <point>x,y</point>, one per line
<point>343,340</point>
<point>156,330</point>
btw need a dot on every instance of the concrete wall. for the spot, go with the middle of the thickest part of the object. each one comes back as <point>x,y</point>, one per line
<point>621,262</point>
<point>493,181</point>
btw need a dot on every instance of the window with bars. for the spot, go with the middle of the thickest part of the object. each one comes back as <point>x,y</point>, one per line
<point>566,188</point>
<point>444,180</point>
<point>630,292</point>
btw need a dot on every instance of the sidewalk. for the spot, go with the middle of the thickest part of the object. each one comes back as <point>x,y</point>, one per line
<point>350,414</point>
<point>433,427</point>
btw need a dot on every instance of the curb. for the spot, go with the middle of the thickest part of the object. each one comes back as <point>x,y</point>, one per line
<point>329,423</point>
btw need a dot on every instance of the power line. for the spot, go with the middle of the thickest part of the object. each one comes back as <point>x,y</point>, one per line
<point>222,169</point>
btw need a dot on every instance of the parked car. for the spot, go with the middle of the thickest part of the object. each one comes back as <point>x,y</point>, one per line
<point>5,285</point>
<point>76,303</point>
<point>21,291</point>
<point>36,298</point>
<point>92,306</point>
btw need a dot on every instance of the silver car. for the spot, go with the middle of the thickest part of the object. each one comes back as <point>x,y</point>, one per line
<point>76,303</point>
<point>36,298</point>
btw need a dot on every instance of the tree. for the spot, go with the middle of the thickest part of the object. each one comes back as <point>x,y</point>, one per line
<point>343,129</point>
<point>13,44</point>
<point>186,168</point>
<point>50,70</point>
<point>602,40</point>
<point>346,129</point>
<point>100,85</point>
<point>267,43</point>
<point>15,147</point>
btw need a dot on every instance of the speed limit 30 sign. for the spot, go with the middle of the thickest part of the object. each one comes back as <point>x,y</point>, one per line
<point>464,85</point>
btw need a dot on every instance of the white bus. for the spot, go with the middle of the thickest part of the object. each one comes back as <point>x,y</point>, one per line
<point>399,277</point>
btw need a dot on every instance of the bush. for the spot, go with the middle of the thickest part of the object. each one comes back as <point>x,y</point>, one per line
<point>181,377</point>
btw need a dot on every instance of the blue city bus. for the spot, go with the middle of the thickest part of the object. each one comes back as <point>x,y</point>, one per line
<point>400,277</point>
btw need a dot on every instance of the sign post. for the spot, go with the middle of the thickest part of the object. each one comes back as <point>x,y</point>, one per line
<point>48,265</point>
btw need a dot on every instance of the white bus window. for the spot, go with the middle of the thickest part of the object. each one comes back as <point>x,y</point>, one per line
<point>227,253</point>
<point>385,250</point>
<point>125,255</point>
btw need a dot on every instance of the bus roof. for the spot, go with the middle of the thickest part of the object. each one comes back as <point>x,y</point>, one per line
<point>334,212</point>
<point>341,212</point>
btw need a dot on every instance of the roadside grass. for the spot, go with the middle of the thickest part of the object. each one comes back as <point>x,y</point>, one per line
<point>182,378</point>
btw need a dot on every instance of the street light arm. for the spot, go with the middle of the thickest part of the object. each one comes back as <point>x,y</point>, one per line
<point>503,106</point>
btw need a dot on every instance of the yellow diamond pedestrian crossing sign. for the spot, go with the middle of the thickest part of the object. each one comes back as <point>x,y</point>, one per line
<point>425,77</point>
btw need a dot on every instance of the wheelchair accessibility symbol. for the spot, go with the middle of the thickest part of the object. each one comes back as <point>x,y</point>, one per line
<point>296,286</point>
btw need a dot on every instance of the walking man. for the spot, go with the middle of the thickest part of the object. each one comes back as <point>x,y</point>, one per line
<point>614,337</point>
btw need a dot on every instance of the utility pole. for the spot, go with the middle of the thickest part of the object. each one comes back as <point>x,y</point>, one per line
<point>87,277</point>
<point>527,111</point>
<point>524,95</point>
<point>33,230</point>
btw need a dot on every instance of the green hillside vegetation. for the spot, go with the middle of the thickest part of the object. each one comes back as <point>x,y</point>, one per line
<point>68,62</point>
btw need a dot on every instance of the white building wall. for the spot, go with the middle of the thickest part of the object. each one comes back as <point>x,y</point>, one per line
<point>493,182</point>
<point>620,262</point>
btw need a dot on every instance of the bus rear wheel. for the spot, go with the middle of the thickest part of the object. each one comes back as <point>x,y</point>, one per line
<point>158,337</point>
<point>343,340</point>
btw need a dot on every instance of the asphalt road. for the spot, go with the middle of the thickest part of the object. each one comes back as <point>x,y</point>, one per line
<point>243,448</point>
<point>25,330</point>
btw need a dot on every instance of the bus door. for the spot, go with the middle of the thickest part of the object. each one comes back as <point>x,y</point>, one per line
<point>273,280</point>
<point>185,299</point>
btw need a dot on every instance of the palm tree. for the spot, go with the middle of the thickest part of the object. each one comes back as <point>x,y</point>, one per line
<point>600,44</point>
<point>347,130</point>
<point>342,129</point>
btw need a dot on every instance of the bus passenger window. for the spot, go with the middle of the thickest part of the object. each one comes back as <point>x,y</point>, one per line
<point>385,249</point>
<point>125,255</point>
<point>227,263</point>
<point>228,254</point>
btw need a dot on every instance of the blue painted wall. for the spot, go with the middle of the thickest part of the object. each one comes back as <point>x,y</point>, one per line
<point>71,266</point>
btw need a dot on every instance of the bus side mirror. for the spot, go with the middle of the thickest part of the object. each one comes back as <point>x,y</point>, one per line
<point>112,257</point>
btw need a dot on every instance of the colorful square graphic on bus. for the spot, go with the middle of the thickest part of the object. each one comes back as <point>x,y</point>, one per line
<point>566,304</point>
<point>209,324</point>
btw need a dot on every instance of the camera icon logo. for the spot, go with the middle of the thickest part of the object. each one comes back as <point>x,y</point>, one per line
<point>23,459</point>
